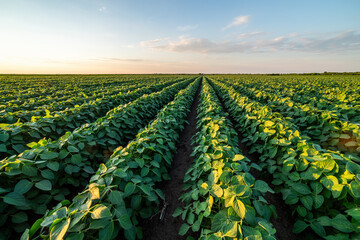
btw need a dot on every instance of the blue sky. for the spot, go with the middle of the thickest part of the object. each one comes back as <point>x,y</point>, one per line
<point>103,36</point>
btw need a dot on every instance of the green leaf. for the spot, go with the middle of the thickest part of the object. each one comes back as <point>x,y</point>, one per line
<point>57,215</point>
<point>53,166</point>
<point>129,189</point>
<point>354,212</point>
<point>58,231</point>
<point>183,229</point>
<point>4,137</point>
<point>23,186</point>
<point>116,198</point>
<point>125,222</point>
<point>36,226</point>
<point>72,149</point>
<point>146,189</point>
<point>19,217</point>
<point>318,229</point>
<point>99,224</point>
<point>44,185</point>
<point>239,208</point>
<point>177,212</point>
<point>312,174</point>
<point>48,155</point>
<point>353,167</point>
<point>301,188</point>
<point>218,221</point>
<point>107,232</point>
<point>19,148</point>
<point>318,200</point>
<point>299,226</point>
<point>191,218</point>
<point>76,159</point>
<point>136,201</point>
<point>3,148</point>
<point>16,199</point>
<point>29,170</point>
<point>48,174</point>
<point>341,223</point>
<point>262,186</point>
<point>75,236</point>
<point>355,188</point>
<point>267,226</point>
<point>100,212</point>
<point>307,201</point>
<point>316,187</point>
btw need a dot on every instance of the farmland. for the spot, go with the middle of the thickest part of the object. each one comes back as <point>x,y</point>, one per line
<point>180,157</point>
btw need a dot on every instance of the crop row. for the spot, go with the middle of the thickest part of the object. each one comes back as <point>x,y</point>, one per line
<point>322,187</point>
<point>21,89</point>
<point>14,138</point>
<point>339,96</point>
<point>108,93</point>
<point>50,171</point>
<point>37,107</point>
<point>123,189</point>
<point>322,126</point>
<point>222,198</point>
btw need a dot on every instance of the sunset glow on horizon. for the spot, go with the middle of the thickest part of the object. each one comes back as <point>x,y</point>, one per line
<point>108,36</point>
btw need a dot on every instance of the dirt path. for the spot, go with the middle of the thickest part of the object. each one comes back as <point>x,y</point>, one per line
<point>168,228</point>
<point>284,222</point>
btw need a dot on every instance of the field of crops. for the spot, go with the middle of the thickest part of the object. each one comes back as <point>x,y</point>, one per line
<point>180,157</point>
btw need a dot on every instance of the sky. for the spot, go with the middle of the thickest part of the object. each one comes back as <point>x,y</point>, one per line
<point>188,36</point>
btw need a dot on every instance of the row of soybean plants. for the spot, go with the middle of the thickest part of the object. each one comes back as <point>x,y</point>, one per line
<point>322,126</point>
<point>344,103</point>
<point>63,98</point>
<point>338,94</point>
<point>15,137</point>
<point>24,86</point>
<point>49,172</point>
<point>49,105</point>
<point>322,187</point>
<point>122,192</point>
<point>222,199</point>
<point>17,91</point>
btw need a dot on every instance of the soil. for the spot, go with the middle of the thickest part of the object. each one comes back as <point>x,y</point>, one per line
<point>168,227</point>
<point>284,222</point>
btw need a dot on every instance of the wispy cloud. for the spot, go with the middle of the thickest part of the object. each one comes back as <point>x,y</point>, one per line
<point>239,20</point>
<point>339,42</point>
<point>249,35</point>
<point>153,42</point>
<point>187,27</point>
<point>102,9</point>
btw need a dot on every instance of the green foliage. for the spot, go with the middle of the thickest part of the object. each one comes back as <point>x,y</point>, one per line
<point>117,196</point>
<point>221,195</point>
<point>314,180</point>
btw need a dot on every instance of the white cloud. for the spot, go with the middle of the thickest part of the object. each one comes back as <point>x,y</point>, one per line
<point>238,21</point>
<point>187,27</point>
<point>340,42</point>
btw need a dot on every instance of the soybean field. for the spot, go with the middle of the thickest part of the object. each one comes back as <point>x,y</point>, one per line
<point>206,157</point>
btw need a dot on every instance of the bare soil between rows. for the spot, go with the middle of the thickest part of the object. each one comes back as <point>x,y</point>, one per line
<point>168,227</point>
